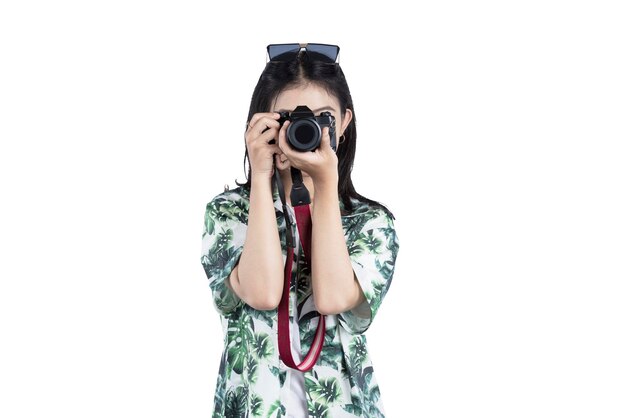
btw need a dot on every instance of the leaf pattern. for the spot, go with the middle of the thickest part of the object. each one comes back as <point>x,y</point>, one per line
<point>276,410</point>
<point>236,402</point>
<point>325,391</point>
<point>239,334</point>
<point>252,380</point>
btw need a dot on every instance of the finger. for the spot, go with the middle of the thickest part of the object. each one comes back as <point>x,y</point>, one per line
<point>280,163</point>
<point>266,137</point>
<point>262,125</point>
<point>326,137</point>
<point>275,150</point>
<point>282,139</point>
<point>257,116</point>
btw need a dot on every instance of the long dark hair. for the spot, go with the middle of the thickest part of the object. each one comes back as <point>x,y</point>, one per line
<point>281,75</point>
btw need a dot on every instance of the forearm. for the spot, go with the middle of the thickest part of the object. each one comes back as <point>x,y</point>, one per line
<point>334,284</point>
<point>260,269</point>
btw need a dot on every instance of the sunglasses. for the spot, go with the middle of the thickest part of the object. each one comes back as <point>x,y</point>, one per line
<point>288,52</point>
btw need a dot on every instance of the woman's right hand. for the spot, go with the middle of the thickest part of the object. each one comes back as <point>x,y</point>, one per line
<point>260,151</point>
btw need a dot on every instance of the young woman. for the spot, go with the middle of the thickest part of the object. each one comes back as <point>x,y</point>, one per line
<point>353,248</point>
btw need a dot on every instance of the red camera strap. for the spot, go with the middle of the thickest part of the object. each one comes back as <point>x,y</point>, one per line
<point>303,222</point>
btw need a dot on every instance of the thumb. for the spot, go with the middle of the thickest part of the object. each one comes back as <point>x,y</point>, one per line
<point>326,138</point>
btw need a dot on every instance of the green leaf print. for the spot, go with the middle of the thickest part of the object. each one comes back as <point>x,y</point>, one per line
<point>261,349</point>
<point>223,239</point>
<point>371,393</point>
<point>227,209</point>
<point>389,233</point>
<point>370,242</point>
<point>263,346</point>
<point>385,268</point>
<point>331,354</point>
<point>282,374</point>
<point>361,382</point>
<point>375,393</point>
<point>219,256</point>
<point>256,405</point>
<point>276,408</point>
<point>358,351</point>
<point>252,369</point>
<point>239,335</point>
<point>236,402</point>
<point>355,407</point>
<point>220,388</point>
<point>267,316</point>
<point>378,289</point>
<point>317,410</point>
<point>222,210</point>
<point>241,209</point>
<point>325,391</point>
<point>355,248</point>
<point>355,224</point>
<point>208,221</point>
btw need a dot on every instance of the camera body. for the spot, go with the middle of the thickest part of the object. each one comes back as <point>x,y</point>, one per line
<point>304,133</point>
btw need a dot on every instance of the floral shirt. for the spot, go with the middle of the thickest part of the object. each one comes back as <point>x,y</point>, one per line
<point>252,378</point>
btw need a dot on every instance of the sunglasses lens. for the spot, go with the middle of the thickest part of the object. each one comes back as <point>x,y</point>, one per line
<point>327,52</point>
<point>283,52</point>
<point>288,52</point>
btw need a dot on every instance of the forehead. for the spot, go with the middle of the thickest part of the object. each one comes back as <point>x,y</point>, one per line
<point>310,95</point>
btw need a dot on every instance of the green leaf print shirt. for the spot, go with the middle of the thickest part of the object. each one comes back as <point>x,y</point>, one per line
<point>252,380</point>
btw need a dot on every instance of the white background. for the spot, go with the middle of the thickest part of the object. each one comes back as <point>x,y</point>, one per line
<point>493,130</point>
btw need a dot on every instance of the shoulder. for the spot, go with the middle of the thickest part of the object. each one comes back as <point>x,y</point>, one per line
<point>231,204</point>
<point>367,209</point>
<point>237,194</point>
<point>365,215</point>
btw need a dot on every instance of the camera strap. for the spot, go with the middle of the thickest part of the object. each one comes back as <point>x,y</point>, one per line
<point>300,201</point>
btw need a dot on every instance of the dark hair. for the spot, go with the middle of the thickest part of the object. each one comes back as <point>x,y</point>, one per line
<point>306,68</point>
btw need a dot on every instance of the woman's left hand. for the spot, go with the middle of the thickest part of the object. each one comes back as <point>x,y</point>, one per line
<point>320,164</point>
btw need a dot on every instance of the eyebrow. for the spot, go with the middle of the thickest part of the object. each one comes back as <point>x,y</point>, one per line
<point>314,111</point>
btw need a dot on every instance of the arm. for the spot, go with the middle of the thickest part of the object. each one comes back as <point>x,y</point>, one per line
<point>258,278</point>
<point>334,282</point>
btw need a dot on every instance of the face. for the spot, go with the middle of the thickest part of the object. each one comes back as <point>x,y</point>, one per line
<point>316,99</point>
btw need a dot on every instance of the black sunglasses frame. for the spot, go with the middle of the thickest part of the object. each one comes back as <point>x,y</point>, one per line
<point>290,51</point>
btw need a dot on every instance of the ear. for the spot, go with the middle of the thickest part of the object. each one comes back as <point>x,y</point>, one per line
<point>345,121</point>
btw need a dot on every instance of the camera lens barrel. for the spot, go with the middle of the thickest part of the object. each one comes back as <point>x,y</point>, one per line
<point>304,134</point>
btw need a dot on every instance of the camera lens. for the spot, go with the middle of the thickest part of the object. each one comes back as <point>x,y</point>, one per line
<point>304,134</point>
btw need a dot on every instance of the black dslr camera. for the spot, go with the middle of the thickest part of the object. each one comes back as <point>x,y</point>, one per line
<point>304,133</point>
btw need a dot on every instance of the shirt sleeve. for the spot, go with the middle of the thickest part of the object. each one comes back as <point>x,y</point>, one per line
<point>222,244</point>
<point>373,248</point>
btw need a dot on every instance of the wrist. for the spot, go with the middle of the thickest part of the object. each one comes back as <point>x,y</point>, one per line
<point>328,182</point>
<point>261,182</point>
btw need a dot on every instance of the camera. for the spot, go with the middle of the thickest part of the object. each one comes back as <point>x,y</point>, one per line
<point>304,133</point>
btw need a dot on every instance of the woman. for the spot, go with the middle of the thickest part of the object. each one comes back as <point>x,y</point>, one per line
<point>353,248</point>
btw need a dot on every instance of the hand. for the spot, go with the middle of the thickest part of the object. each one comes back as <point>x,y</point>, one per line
<point>262,128</point>
<point>321,164</point>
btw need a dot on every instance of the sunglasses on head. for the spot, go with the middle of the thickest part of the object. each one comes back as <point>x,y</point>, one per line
<point>288,52</point>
